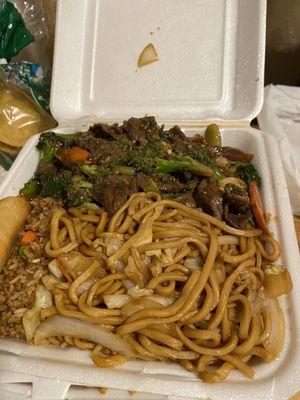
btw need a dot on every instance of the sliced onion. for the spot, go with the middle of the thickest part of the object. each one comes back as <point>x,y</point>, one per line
<point>277,281</point>
<point>165,301</point>
<point>59,325</point>
<point>136,292</point>
<point>85,286</point>
<point>170,252</point>
<point>194,263</point>
<point>275,341</point>
<point>144,235</point>
<point>75,263</point>
<point>147,56</point>
<point>127,283</point>
<point>54,269</point>
<point>50,282</point>
<point>139,304</point>
<point>31,318</point>
<point>116,300</point>
<point>113,241</point>
<point>119,265</point>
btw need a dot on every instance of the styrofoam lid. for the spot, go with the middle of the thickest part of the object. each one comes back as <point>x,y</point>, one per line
<point>211,60</point>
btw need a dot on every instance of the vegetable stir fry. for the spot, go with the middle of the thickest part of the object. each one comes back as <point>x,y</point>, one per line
<point>107,163</point>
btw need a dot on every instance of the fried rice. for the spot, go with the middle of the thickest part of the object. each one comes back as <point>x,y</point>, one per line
<point>24,269</point>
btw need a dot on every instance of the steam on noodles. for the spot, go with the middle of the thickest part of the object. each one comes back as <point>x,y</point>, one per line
<point>164,282</point>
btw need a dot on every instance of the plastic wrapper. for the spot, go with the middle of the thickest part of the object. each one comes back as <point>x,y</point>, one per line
<point>24,86</point>
<point>35,18</point>
<point>280,117</point>
<point>13,33</point>
<point>20,116</point>
<point>31,77</point>
<point>33,15</point>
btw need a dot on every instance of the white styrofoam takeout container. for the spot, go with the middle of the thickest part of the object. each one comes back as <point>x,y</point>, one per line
<point>210,69</point>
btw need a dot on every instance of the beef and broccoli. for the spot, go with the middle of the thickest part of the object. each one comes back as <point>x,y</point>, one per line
<point>107,163</point>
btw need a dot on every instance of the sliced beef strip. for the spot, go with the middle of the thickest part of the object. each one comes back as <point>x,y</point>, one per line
<point>209,197</point>
<point>237,198</point>
<point>174,185</point>
<point>178,140</point>
<point>185,198</point>
<point>106,132</point>
<point>99,148</point>
<point>141,130</point>
<point>144,182</point>
<point>176,135</point>
<point>233,154</point>
<point>236,205</point>
<point>115,190</point>
<point>238,220</point>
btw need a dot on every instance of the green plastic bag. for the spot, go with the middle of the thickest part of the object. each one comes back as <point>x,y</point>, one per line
<point>14,35</point>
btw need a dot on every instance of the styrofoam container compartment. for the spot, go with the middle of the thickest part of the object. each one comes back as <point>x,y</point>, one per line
<point>210,68</point>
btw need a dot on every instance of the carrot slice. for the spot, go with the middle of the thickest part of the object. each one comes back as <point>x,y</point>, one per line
<point>77,154</point>
<point>28,237</point>
<point>64,271</point>
<point>257,207</point>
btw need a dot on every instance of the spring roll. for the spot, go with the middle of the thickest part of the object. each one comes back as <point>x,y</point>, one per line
<point>13,213</point>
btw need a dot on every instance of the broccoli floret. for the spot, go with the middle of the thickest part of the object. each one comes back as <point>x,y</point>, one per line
<point>249,173</point>
<point>79,184</point>
<point>55,184</point>
<point>159,147</point>
<point>30,188</point>
<point>89,170</point>
<point>47,145</point>
<point>141,160</point>
<point>182,164</point>
<point>200,153</point>
<point>79,193</point>
<point>158,157</point>
<point>65,137</point>
<point>95,172</point>
<point>124,170</point>
<point>203,154</point>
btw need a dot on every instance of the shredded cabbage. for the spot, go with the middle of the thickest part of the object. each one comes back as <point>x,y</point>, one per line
<point>136,292</point>
<point>194,263</point>
<point>75,263</point>
<point>112,242</point>
<point>54,269</point>
<point>31,318</point>
<point>59,325</point>
<point>116,300</point>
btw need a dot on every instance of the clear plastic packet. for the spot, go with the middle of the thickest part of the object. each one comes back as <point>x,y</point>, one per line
<point>13,33</point>
<point>33,16</point>
<point>24,86</point>
<point>32,77</point>
<point>20,116</point>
